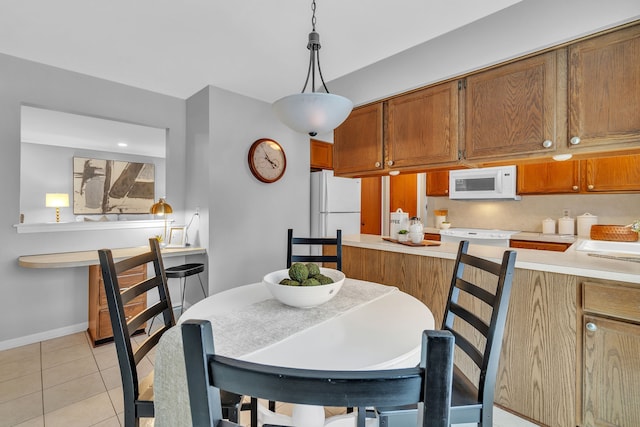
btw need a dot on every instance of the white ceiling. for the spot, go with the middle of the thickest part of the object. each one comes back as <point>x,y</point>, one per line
<point>253,47</point>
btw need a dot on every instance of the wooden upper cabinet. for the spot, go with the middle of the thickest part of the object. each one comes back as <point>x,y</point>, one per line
<point>604,90</point>
<point>549,178</point>
<point>611,174</point>
<point>403,193</point>
<point>422,127</point>
<point>438,183</point>
<point>511,110</point>
<point>371,205</point>
<point>357,146</point>
<point>321,155</point>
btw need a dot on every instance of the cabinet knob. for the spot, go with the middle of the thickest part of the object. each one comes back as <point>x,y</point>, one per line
<point>377,164</point>
<point>390,163</point>
<point>591,327</point>
<point>590,186</point>
<point>575,140</point>
<point>547,144</point>
<point>575,188</point>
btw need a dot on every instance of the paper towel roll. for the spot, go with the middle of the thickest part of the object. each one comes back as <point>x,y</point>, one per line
<point>566,226</point>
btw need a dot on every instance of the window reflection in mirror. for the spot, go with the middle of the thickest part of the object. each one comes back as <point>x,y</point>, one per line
<point>50,140</point>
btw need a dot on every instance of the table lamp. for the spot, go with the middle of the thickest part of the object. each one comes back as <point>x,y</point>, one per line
<point>162,208</point>
<point>57,200</point>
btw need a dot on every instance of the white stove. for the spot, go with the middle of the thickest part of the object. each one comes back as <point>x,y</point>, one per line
<point>478,236</point>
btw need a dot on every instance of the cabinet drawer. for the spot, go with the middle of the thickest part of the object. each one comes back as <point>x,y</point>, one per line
<point>104,322</point>
<point>541,246</point>
<point>612,300</point>
<point>126,279</point>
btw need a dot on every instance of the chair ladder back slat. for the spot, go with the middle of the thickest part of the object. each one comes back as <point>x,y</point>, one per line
<point>133,291</point>
<point>133,262</point>
<point>147,314</point>
<point>144,348</point>
<point>476,291</point>
<point>469,349</point>
<point>315,241</point>
<point>469,317</point>
<point>481,263</point>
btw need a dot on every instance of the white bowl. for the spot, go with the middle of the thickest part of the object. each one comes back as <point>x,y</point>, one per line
<point>303,296</point>
<point>445,225</point>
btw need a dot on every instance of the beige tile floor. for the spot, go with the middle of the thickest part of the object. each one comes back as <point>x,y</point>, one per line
<point>66,382</point>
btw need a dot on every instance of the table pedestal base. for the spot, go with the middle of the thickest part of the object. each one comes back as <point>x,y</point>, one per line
<point>309,416</point>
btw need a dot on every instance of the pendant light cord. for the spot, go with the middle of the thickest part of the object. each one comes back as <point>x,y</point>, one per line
<point>314,54</point>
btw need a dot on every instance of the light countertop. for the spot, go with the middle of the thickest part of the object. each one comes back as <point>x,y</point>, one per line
<point>84,258</point>
<point>571,262</point>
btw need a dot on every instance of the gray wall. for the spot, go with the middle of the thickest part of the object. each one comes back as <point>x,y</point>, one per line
<point>244,220</point>
<point>41,303</point>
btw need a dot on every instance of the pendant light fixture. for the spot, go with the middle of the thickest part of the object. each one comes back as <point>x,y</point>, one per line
<point>313,112</point>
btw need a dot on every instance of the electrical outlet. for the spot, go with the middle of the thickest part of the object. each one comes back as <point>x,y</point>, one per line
<point>566,212</point>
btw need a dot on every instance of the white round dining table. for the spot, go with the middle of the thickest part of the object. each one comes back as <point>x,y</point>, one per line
<point>384,332</point>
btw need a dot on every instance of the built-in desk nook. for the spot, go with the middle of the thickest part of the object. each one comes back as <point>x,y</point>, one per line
<point>99,323</point>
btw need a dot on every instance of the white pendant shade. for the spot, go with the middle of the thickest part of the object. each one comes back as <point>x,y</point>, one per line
<point>313,113</point>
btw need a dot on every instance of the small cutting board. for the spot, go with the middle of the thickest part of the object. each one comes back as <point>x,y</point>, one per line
<point>410,243</point>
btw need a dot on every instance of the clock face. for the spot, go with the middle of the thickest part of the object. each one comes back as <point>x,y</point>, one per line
<point>267,160</point>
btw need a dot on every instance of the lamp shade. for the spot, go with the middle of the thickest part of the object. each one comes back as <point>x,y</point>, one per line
<point>161,208</point>
<point>57,200</point>
<point>313,113</point>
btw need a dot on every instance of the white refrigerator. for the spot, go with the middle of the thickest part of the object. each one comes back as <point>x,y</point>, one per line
<point>335,204</point>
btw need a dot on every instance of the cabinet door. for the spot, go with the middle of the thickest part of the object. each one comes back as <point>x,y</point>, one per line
<point>357,145</point>
<point>604,83</point>
<point>403,193</point>
<point>611,357</point>
<point>422,127</point>
<point>620,173</point>
<point>438,183</point>
<point>549,178</point>
<point>511,110</point>
<point>371,205</point>
<point>321,155</point>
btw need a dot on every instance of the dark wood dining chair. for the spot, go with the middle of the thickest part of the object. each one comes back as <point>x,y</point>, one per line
<point>138,392</point>
<point>207,373</point>
<point>472,398</point>
<point>315,241</point>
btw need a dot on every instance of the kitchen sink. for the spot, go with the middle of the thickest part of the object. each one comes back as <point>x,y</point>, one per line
<point>608,246</point>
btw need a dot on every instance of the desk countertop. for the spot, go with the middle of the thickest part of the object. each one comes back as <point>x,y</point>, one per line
<point>84,258</point>
<point>571,261</point>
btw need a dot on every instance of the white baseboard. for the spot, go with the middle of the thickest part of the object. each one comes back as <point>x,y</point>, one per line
<point>43,336</point>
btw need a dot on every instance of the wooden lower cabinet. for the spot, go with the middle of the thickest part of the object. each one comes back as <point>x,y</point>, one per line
<point>100,329</point>
<point>538,362</point>
<point>610,354</point>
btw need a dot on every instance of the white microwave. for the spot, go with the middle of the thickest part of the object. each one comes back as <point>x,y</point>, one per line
<point>483,183</point>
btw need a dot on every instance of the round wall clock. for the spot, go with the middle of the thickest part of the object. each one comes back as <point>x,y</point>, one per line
<point>267,160</point>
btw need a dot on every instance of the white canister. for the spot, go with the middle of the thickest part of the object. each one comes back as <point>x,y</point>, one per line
<point>441,216</point>
<point>398,220</point>
<point>549,226</point>
<point>566,226</point>
<point>585,221</point>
